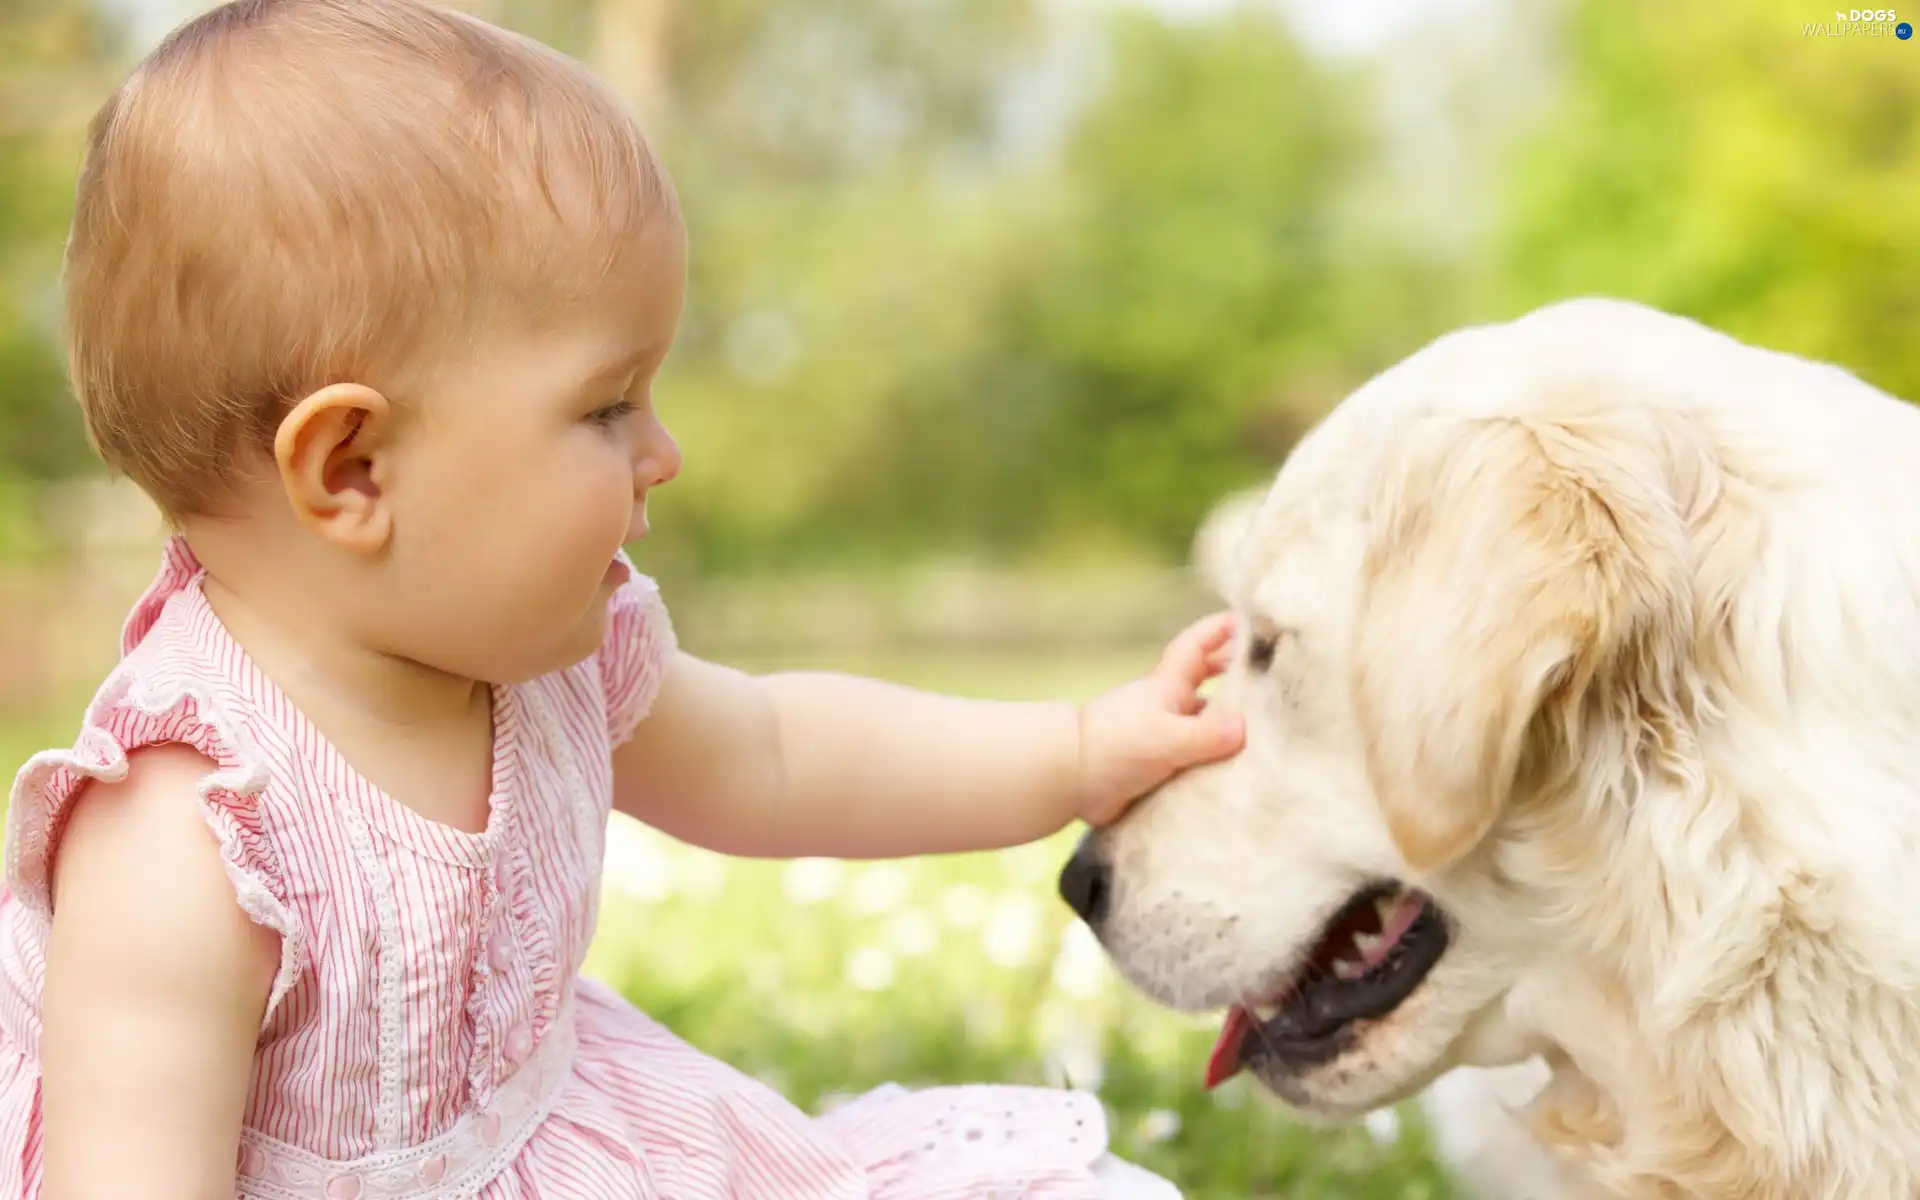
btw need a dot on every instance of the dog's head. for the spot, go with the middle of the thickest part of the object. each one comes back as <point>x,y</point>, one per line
<point>1463,617</point>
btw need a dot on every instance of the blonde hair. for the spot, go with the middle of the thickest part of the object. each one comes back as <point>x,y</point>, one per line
<point>291,193</point>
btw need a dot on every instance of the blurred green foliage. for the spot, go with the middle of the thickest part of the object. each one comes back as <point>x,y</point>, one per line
<point>51,59</point>
<point>946,343</point>
<point>1716,161</point>
<point>944,303</point>
<point>1174,266</point>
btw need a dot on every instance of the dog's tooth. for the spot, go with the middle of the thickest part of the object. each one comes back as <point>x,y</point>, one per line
<point>1365,942</point>
<point>1342,969</point>
<point>1386,906</point>
<point>1266,1012</point>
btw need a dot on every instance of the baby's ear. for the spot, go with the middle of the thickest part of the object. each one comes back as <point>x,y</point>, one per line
<point>324,451</point>
<point>1222,532</point>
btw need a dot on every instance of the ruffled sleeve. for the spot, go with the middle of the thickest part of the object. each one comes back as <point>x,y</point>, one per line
<point>127,716</point>
<point>633,660</point>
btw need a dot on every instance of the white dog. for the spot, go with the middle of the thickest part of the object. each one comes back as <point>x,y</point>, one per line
<point>1581,664</point>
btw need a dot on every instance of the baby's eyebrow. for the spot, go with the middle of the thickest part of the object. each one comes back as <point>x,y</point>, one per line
<point>617,369</point>
<point>652,350</point>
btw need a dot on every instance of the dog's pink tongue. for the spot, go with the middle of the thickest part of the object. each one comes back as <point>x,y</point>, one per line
<point>1225,1061</point>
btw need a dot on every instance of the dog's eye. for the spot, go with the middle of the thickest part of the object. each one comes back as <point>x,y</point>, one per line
<point>1260,652</point>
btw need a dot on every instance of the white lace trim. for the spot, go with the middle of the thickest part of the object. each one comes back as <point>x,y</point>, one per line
<point>98,754</point>
<point>658,642</point>
<point>589,815</point>
<point>392,1014</point>
<point>455,1165</point>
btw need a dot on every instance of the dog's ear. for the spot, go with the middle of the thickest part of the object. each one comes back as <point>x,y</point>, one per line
<point>1518,574</point>
<point>1222,532</point>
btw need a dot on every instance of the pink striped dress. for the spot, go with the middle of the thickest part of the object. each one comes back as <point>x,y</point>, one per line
<point>428,1033</point>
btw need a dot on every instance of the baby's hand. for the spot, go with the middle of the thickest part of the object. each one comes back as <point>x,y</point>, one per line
<point>1133,738</point>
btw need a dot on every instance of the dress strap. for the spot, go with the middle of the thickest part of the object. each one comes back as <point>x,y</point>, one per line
<point>178,571</point>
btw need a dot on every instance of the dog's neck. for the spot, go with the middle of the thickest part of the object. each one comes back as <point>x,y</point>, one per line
<point>1732,1014</point>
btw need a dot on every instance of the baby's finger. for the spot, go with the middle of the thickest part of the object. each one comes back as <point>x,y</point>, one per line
<point>1187,662</point>
<point>1189,701</point>
<point>1214,736</point>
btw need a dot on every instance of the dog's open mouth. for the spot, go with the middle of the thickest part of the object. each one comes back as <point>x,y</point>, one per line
<point>1372,955</point>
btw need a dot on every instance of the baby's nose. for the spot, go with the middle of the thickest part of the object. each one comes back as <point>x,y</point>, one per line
<point>659,459</point>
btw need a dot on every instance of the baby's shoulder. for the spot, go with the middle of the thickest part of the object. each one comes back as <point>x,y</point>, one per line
<point>175,690</point>
<point>174,697</point>
<point>166,738</point>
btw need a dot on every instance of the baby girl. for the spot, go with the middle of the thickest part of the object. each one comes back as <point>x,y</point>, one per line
<point>369,297</point>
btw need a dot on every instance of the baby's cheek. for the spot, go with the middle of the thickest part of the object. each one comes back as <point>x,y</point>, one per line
<point>580,523</point>
<point>612,509</point>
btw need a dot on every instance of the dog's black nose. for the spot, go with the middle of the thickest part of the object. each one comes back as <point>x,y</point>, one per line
<point>1084,882</point>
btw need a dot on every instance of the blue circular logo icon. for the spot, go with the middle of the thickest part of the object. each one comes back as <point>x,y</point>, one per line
<point>1903,31</point>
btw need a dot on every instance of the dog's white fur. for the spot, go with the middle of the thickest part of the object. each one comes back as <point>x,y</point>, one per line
<point>1604,629</point>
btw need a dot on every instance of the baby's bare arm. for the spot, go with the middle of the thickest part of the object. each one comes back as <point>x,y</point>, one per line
<point>156,984</point>
<point>814,763</point>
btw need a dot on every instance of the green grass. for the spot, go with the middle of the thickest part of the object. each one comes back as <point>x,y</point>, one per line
<point>827,978</point>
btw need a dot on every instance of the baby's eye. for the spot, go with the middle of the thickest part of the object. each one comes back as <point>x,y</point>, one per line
<point>612,413</point>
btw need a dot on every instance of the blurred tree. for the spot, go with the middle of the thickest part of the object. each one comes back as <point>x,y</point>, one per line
<point>903,336</point>
<point>1717,161</point>
<point>909,331</point>
<point>53,72</point>
<point>836,161</point>
<point>1194,292</point>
